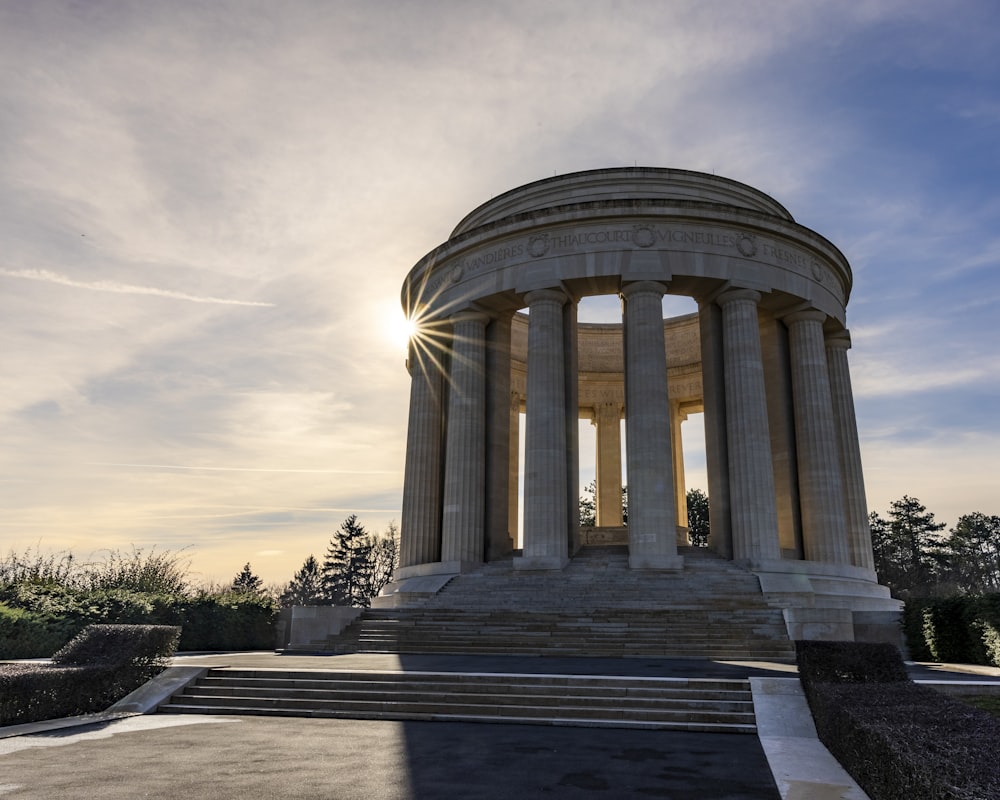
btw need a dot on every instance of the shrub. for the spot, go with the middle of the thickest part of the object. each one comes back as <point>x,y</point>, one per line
<point>25,634</point>
<point>229,621</point>
<point>961,629</point>
<point>913,629</point>
<point>141,646</point>
<point>101,665</point>
<point>899,740</point>
<point>849,662</point>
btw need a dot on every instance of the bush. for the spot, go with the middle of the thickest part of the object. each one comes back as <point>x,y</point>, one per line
<point>97,668</point>
<point>25,634</point>
<point>898,740</point>
<point>963,629</point>
<point>229,621</point>
<point>849,662</point>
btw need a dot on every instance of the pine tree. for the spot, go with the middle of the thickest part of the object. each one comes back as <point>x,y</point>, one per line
<point>306,588</point>
<point>347,565</point>
<point>247,583</point>
<point>909,557</point>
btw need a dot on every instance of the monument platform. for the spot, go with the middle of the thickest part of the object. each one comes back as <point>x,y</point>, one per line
<point>596,606</point>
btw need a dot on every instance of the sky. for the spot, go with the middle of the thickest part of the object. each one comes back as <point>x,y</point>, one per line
<point>207,211</point>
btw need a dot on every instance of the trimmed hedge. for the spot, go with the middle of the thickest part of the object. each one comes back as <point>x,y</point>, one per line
<point>964,629</point>
<point>100,666</point>
<point>37,619</point>
<point>899,741</point>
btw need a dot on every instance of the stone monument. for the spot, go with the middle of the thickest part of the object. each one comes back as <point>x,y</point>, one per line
<point>764,357</point>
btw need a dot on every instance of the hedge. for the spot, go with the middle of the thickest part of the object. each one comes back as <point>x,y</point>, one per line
<point>98,667</point>
<point>964,629</point>
<point>899,741</point>
<point>37,619</point>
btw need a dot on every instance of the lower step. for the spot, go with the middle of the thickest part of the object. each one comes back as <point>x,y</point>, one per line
<point>667,704</point>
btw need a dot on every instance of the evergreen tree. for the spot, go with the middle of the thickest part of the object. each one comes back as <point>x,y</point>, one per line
<point>697,508</point>
<point>247,583</point>
<point>909,557</point>
<point>347,566</point>
<point>306,588</point>
<point>973,553</point>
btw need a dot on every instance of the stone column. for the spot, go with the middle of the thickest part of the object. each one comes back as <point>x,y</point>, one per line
<point>498,540</point>
<point>751,478</point>
<point>713,378</point>
<point>420,522</point>
<point>571,401</point>
<point>545,479</point>
<point>820,482</point>
<point>652,515</point>
<point>514,467</point>
<point>463,517</point>
<point>680,492</point>
<point>859,535</point>
<point>607,420</point>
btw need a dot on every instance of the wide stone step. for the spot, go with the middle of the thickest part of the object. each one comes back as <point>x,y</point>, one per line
<point>537,699</point>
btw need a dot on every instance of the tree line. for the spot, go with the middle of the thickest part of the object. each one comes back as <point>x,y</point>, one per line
<point>915,557</point>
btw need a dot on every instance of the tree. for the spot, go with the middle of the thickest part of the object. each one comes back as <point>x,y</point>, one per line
<point>384,560</point>
<point>347,566</point>
<point>973,553</point>
<point>306,588</point>
<point>247,583</point>
<point>697,508</point>
<point>909,557</point>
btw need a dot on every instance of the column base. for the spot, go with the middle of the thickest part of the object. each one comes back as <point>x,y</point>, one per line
<point>540,562</point>
<point>638,561</point>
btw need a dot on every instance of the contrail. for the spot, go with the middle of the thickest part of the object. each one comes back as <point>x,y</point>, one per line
<point>245,469</point>
<point>47,276</point>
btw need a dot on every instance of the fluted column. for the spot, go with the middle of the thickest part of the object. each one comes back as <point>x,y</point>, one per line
<point>713,377</point>
<point>545,530</point>
<point>514,468</point>
<point>652,514</point>
<point>498,539</point>
<point>607,420</point>
<point>680,492</point>
<point>420,522</point>
<point>463,517</point>
<point>859,535</point>
<point>751,478</point>
<point>824,535</point>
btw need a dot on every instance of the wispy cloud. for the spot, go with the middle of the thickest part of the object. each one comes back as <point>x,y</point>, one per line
<point>244,469</point>
<point>47,276</point>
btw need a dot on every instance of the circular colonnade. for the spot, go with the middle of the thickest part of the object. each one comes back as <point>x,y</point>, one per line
<point>765,358</point>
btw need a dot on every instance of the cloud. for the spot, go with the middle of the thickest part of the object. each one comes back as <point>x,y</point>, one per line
<point>47,276</point>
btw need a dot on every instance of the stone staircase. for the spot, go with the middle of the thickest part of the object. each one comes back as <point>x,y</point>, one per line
<point>595,607</point>
<point>703,705</point>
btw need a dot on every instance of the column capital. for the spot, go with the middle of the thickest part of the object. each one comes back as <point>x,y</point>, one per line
<point>546,296</point>
<point>643,287</point>
<point>735,295</point>
<point>805,315</point>
<point>839,340</point>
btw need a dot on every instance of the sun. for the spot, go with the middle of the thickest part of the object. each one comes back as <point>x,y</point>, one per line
<point>401,329</point>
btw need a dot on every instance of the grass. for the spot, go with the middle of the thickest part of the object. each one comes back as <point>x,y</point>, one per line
<point>986,702</point>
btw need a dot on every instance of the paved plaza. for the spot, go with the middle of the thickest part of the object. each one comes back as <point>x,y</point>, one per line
<point>220,757</point>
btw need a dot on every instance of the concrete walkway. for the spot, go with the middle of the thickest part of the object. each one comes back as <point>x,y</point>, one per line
<point>128,755</point>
